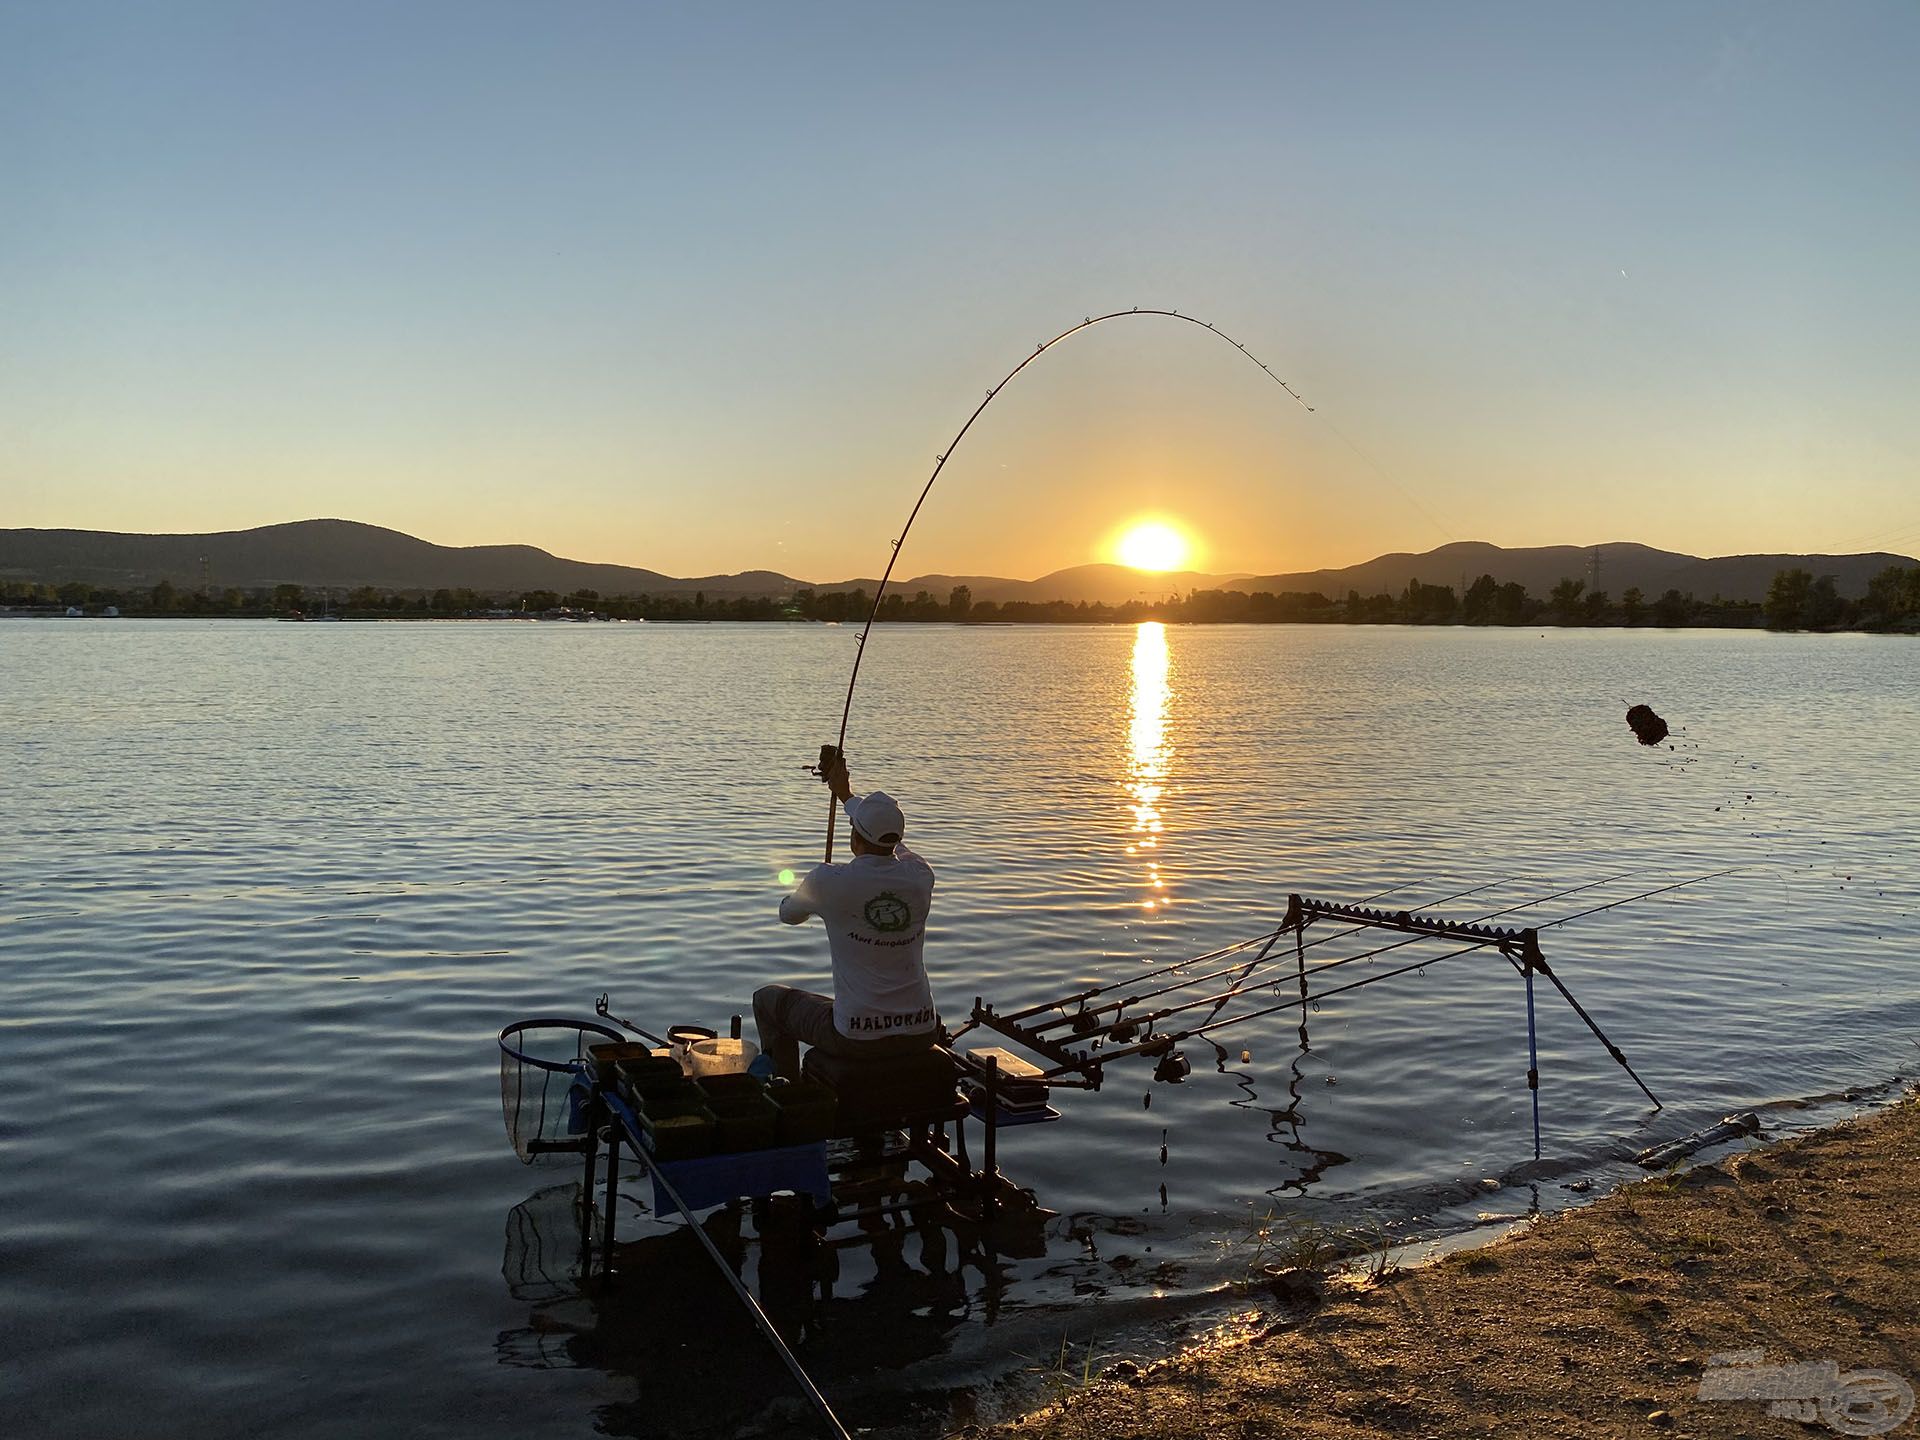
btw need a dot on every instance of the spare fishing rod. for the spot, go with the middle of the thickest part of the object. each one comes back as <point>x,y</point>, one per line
<point>1155,1017</point>
<point>1238,987</point>
<point>1518,947</point>
<point>1269,937</point>
<point>1533,961</point>
<point>830,753</point>
<point>1305,1000</point>
<point>1643,895</point>
<point>1186,982</point>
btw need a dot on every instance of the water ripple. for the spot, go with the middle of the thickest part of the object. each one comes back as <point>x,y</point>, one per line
<point>272,889</point>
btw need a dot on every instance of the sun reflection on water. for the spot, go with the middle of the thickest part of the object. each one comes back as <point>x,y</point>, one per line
<point>1148,753</point>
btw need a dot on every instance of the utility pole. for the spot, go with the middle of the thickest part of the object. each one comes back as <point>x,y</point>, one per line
<point>205,577</point>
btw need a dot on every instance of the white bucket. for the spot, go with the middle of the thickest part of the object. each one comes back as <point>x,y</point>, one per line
<point>680,1037</point>
<point>721,1057</point>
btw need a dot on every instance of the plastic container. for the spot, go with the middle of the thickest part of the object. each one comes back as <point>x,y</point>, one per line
<point>721,1057</point>
<point>736,1083</point>
<point>742,1122</point>
<point>607,1057</point>
<point>662,1096</point>
<point>685,1136</point>
<point>671,1099</point>
<point>679,1037</point>
<point>650,1072</point>
<point>807,1111</point>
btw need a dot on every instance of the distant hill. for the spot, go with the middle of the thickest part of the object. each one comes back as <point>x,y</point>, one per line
<point>341,554</point>
<point>344,555</point>
<point>1623,566</point>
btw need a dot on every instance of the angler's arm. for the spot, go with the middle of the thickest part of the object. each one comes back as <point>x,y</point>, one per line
<point>804,903</point>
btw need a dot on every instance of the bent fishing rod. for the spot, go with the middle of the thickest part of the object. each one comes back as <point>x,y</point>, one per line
<point>829,753</point>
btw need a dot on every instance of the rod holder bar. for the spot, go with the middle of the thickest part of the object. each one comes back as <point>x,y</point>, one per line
<point>1406,922</point>
<point>1032,1039</point>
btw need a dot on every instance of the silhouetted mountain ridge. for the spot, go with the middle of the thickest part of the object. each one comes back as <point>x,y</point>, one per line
<point>346,554</point>
<point>1623,565</point>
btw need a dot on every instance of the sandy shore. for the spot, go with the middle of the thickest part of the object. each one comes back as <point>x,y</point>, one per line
<point>1600,1322</point>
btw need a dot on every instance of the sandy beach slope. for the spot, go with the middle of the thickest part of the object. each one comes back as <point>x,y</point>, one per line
<point>1601,1322</point>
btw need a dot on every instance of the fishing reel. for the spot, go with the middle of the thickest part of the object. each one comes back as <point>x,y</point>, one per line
<point>828,755</point>
<point>1173,1068</point>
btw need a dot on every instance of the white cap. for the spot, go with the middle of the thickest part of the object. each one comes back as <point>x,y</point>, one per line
<point>877,818</point>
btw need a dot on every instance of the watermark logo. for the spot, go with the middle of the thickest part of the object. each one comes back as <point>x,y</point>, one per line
<point>1852,1402</point>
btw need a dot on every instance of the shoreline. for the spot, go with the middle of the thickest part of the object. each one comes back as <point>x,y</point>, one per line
<point>1599,1321</point>
<point>1049,622</point>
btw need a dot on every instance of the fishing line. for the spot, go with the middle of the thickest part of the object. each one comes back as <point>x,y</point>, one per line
<point>1644,895</point>
<point>1305,1000</point>
<point>1221,999</point>
<point>1239,987</point>
<point>1192,980</point>
<point>1558,984</point>
<point>1188,981</point>
<point>1375,466</point>
<point>1082,996</point>
<point>940,463</point>
<point>1328,994</point>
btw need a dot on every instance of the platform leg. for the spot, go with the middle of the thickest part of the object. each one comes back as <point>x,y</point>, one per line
<point>613,1195</point>
<point>1533,1062</point>
<point>989,1145</point>
<point>594,1109</point>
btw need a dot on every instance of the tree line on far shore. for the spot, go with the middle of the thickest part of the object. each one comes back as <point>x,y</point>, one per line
<point>1797,600</point>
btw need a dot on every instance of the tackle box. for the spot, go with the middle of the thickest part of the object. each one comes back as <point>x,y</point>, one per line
<point>686,1135</point>
<point>607,1057</point>
<point>742,1121</point>
<point>807,1111</point>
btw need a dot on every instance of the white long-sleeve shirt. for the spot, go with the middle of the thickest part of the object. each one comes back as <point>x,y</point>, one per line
<point>875,910</point>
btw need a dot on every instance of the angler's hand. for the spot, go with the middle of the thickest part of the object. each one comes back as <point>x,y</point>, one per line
<point>835,774</point>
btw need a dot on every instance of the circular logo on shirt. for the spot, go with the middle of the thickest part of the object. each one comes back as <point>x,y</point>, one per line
<point>887,912</point>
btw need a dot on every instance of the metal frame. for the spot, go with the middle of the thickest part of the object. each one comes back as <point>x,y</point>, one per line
<point>1085,1068</point>
<point>926,1143</point>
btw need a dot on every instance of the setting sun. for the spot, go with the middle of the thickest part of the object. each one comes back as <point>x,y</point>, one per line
<point>1153,545</point>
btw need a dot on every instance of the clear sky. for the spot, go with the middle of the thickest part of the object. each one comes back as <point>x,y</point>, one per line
<point>707,287</point>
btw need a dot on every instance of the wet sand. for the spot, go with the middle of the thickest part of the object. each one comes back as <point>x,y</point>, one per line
<point>1598,1322</point>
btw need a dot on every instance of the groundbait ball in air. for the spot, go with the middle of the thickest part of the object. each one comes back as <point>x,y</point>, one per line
<point>1648,728</point>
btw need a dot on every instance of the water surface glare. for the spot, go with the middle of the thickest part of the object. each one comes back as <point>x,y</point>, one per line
<point>272,889</point>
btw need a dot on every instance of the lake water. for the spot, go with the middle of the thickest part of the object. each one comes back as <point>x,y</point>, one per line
<point>270,890</point>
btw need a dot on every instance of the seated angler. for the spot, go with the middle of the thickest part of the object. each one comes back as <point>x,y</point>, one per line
<point>875,909</point>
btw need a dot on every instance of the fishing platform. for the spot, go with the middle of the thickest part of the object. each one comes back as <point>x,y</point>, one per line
<point>848,1131</point>
<point>862,1141</point>
<point>846,1139</point>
